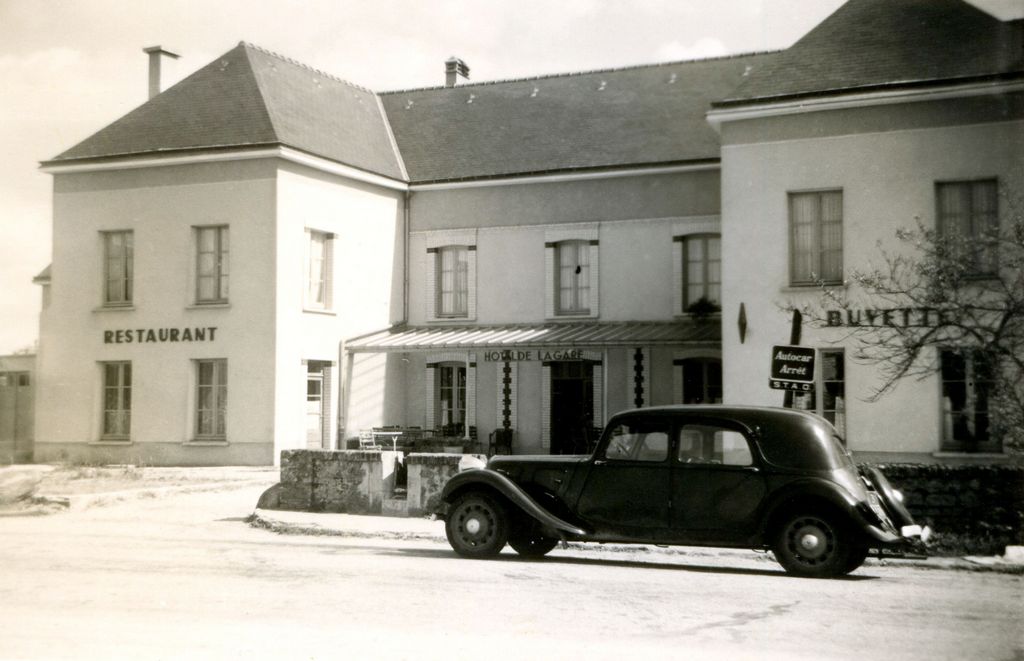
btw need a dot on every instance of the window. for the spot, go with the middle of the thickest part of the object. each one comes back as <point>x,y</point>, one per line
<point>319,270</point>
<point>118,260</point>
<point>969,209</point>
<point>453,281</point>
<point>572,277</point>
<point>211,398</point>
<point>702,269</point>
<point>634,441</point>
<point>212,264</point>
<point>708,444</point>
<point>117,399</point>
<point>831,382</point>
<point>701,380</point>
<point>967,384</point>
<point>816,238</point>
<point>451,397</point>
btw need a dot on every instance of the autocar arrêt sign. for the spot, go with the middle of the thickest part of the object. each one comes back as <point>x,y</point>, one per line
<point>792,368</point>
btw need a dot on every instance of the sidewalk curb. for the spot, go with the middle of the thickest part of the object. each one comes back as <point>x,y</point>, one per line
<point>265,519</point>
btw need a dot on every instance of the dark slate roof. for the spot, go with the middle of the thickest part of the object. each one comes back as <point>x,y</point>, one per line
<point>626,117</point>
<point>250,97</point>
<point>872,44</point>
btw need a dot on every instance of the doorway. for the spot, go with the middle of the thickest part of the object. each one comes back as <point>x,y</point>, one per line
<point>318,404</point>
<point>572,407</point>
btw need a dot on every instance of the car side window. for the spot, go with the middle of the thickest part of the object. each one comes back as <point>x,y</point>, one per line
<point>709,444</point>
<point>630,441</point>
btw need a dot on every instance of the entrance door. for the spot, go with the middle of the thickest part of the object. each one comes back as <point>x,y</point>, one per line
<point>572,407</point>
<point>314,408</point>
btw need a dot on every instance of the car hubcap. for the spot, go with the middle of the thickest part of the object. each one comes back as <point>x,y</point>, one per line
<point>811,541</point>
<point>476,524</point>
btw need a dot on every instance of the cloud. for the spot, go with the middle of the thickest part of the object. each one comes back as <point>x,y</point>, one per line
<point>704,47</point>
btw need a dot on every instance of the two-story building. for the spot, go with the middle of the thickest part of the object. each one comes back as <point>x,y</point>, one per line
<point>265,257</point>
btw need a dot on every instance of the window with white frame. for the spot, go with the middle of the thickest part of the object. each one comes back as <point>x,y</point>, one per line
<point>117,400</point>
<point>211,398</point>
<point>572,277</point>
<point>968,378</point>
<point>212,264</point>
<point>969,211</point>
<point>319,270</point>
<point>452,281</point>
<point>451,397</point>
<point>816,237</point>
<point>702,269</point>
<point>118,267</point>
<point>830,381</point>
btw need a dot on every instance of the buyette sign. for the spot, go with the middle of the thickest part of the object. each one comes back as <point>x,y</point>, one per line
<point>792,368</point>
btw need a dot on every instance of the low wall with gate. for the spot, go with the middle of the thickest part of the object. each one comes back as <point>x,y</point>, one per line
<point>360,482</point>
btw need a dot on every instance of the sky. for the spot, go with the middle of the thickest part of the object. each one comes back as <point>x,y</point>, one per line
<point>70,67</point>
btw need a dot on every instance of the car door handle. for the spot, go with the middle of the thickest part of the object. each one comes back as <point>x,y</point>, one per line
<point>600,462</point>
<point>751,469</point>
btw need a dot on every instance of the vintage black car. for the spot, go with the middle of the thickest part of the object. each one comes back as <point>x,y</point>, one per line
<point>705,475</point>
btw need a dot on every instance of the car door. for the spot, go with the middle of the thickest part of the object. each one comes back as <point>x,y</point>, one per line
<point>626,493</point>
<point>717,486</point>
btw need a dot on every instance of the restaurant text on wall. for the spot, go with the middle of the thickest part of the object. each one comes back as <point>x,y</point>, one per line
<point>147,335</point>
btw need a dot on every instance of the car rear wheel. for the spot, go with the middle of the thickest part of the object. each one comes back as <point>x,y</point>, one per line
<point>477,526</point>
<point>858,554</point>
<point>532,544</point>
<point>812,545</point>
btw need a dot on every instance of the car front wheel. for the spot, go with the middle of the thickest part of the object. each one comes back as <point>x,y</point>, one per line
<point>812,545</point>
<point>477,526</point>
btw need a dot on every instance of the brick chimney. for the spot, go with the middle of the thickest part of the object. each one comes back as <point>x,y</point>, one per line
<point>154,53</point>
<point>453,68</point>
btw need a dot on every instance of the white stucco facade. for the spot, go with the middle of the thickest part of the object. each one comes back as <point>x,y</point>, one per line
<point>264,331</point>
<point>888,181</point>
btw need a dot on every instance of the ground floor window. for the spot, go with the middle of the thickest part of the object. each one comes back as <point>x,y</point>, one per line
<point>451,398</point>
<point>211,398</point>
<point>967,385</point>
<point>830,381</point>
<point>117,399</point>
<point>701,380</point>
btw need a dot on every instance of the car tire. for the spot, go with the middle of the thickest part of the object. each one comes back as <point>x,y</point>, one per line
<point>813,545</point>
<point>477,526</point>
<point>858,554</point>
<point>532,544</point>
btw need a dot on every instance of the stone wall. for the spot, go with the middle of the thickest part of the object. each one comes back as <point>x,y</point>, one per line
<point>352,481</point>
<point>359,482</point>
<point>973,509</point>
<point>427,475</point>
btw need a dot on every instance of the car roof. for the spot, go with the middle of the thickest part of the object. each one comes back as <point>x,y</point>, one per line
<point>787,437</point>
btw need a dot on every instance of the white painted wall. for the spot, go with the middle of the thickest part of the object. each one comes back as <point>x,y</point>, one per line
<point>367,292</point>
<point>888,181</point>
<point>161,205</point>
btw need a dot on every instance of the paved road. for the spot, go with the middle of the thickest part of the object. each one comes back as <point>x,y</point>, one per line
<point>185,577</point>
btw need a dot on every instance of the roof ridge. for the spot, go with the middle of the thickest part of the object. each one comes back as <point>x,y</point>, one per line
<point>584,72</point>
<point>289,60</point>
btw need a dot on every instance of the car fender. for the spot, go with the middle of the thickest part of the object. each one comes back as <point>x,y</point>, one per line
<point>824,490</point>
<point>485,478</point>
